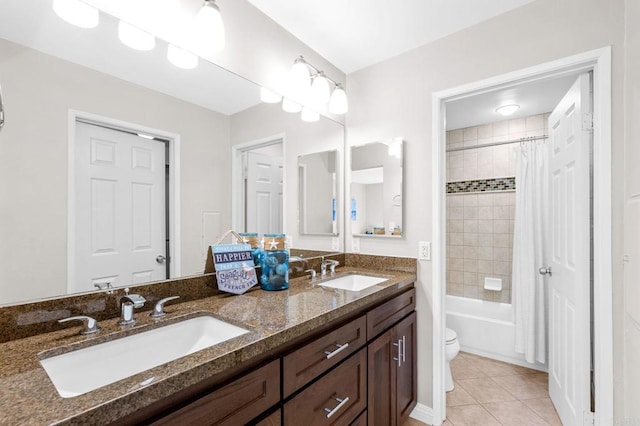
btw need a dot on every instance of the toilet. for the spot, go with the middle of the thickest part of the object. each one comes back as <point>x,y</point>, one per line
<point>451,349</point>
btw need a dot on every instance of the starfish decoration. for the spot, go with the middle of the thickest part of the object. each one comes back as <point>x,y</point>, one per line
<point>273,244</point>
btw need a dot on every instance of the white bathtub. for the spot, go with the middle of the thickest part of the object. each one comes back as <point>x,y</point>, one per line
<point>486,329</point>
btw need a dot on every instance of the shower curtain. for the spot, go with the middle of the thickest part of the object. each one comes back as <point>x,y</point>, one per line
<point>528,291</point>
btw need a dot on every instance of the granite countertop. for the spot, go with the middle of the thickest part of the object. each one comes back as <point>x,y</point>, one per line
<point>27,395</point>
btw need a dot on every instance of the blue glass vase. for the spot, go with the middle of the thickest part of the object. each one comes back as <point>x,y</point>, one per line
<point>274,263</point>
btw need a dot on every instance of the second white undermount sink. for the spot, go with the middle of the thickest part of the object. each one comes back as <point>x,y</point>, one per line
<point>83,370</point>
<point>352,282</point>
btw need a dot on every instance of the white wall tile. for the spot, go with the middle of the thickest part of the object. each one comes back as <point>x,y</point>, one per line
<point>470,133</point>
<point>517,125</point>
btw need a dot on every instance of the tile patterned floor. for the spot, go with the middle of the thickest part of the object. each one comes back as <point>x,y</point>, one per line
<point>489,392</point>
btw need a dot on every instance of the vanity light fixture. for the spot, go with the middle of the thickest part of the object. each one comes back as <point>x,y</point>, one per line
<point>77,13</point>
<point>181,58</point>
<point>210,28</point>
<point>317,94</point>
<point>134,37</point>
<point>309,115</point>
<point>268,96</point>
<point>507,109</point>
<point>338,104</point>
<point>289,106</point>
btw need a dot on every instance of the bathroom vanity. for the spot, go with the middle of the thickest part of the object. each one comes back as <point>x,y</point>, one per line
<point>312,355</point>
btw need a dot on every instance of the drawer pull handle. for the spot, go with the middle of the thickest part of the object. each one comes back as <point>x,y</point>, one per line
<point>404,349</point>
<point>337,351</point>
<point>341,402</point>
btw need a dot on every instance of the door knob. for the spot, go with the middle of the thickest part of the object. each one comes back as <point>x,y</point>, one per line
<point>545,271</point>
<point>161,259</point>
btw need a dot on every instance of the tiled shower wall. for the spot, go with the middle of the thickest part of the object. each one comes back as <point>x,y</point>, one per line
<point>481,206</point>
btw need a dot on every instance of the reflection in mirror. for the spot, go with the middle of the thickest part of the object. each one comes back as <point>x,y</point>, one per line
<point>58,80</point>
<point>377,189</point>
<point>317,193</point>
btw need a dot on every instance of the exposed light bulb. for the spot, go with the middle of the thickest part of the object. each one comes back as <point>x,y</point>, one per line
<point>507,109</point>
<point>338,104</point>
<point>77,13</point>
<point>268,96</point>
<point>309,115</point>
<point>181,58</point>
<point>300,79</point>
<point>210,28</point>
<point>134,37</point>
<point>290,106</point>
<point>320,91</point>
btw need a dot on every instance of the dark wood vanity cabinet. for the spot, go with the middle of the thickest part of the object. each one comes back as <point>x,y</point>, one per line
<point>392,364</point>
<point>237,403</point>
<point>360,372</point>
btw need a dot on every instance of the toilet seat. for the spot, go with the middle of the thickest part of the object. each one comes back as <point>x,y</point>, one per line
<point>450,336</point>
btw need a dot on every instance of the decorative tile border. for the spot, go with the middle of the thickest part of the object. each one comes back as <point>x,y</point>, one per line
<point>482,185</point>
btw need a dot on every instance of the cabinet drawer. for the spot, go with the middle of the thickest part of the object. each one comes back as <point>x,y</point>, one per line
<point>236,403</point>
<point>325,402</point>
<point>384,316</point>
<point>273,419</point>
<point>316,357</point>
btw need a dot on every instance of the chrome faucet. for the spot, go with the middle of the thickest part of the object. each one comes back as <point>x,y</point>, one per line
<point>158,309</point>
<point>312,274</point>
<point>90,324</point>
<point>128,303</point>
<point>332,267</point>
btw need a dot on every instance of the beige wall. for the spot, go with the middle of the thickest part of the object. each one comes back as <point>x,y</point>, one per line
<point>631,293</point>
<point>394,98</point>
<point>38,92</point>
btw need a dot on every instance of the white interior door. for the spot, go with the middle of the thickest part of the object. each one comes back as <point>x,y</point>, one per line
<point>120,209</point>
<point>569,284</point>
<point>264,194</point>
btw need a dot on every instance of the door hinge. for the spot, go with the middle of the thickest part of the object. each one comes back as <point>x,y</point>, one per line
<point>587,122</point>
<point>589,418</point>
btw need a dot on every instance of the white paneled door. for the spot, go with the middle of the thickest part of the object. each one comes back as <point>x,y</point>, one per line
<point>120,209</point>
<point>569,246</point>
<point>264,194</point>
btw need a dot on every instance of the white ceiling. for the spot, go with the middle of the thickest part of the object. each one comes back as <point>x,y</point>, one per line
<point>534,98</point>
<point>353,34</point>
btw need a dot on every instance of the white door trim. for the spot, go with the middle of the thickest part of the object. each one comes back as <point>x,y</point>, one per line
<point>174,184</point>
<point>237,204</point>
<point>599,61</point>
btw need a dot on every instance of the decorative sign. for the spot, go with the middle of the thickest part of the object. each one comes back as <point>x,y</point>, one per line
<point>234,265</point>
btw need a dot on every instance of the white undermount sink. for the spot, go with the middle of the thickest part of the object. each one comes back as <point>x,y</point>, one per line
<point>81,371</point>
<point>352,282</point>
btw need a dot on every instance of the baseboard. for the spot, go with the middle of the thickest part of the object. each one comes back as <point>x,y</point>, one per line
<point>424,414</point>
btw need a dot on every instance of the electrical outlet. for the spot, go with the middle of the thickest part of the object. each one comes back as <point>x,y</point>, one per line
<point>355,245</point>
<point>424,250</point>
<point>335,244</point>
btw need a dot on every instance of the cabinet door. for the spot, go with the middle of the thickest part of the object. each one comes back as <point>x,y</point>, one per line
<point>381,374</point>
<point>335,399</point>
<point>236,403</point>
<point>406,383</point>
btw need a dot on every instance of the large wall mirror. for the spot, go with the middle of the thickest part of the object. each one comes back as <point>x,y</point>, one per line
<point>78,102</point>
<point>377,189</point>
<point>318,193</point>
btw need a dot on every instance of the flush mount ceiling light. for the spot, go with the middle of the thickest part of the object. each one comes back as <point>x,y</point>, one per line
<point>77,13</point>
<point>134,37</point>
<point>181,58</point>
<point>507,109</point>
<point>314,95</point>
<point>210,28</point>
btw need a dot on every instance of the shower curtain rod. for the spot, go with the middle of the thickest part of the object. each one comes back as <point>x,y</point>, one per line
<point>529,139</point>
